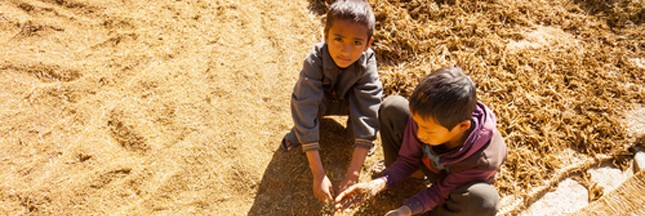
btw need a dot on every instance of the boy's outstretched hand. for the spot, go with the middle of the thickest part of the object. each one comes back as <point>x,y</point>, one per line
<point>323,189</point>
<point>357,194</point>
<point>401,211</point>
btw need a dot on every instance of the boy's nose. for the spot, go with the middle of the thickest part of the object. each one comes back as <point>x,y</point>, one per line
<point>345,48</point>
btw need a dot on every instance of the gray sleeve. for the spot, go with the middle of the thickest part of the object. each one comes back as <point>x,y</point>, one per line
<point>306,98</point>
<point>365,100</point>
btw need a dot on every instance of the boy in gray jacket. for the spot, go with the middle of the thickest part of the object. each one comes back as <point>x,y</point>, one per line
<point>339,77</point>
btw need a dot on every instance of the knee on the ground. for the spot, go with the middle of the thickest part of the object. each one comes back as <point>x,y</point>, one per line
<point>392,106</point>
<point>483,198</point>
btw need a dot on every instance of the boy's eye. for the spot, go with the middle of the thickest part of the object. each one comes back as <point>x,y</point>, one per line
<point>338,39</point>
<point>358,43</point>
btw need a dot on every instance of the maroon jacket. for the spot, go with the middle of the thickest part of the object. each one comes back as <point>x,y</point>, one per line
<point>476,160</point>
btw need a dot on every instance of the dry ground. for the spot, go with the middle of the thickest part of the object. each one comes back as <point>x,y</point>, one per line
<point>176,107</point>
<point>170,107</point>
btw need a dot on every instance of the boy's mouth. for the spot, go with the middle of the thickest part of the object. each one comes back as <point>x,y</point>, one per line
<point>342,59</point>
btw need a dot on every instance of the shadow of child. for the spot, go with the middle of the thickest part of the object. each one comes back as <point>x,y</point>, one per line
<point>286,186</point>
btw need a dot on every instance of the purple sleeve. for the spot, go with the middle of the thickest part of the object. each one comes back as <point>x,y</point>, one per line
<point>436,194</point>
<point>409,159</point>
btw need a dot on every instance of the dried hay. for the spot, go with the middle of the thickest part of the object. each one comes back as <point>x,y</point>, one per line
<point>627,199</point>
<point>142,108</point>
<point>176,107</point>
<point>558,75</point>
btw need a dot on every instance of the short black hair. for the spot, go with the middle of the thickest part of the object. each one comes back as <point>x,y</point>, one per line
<point>358,11</point>
<point>447,95</point>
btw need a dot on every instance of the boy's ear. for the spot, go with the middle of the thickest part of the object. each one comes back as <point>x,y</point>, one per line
<point>464,125</point>
<point>369,43</point>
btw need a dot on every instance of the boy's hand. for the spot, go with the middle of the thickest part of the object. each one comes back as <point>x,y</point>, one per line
<point>357,194</point>
<point>354,169</point>
<point>347,182</point>
<point>323,189</point>
<point>401,211</point>
<point>353,196</point>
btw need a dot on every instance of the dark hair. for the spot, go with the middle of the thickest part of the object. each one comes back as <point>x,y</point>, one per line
<point>447,95</point>
<point>358,11</point>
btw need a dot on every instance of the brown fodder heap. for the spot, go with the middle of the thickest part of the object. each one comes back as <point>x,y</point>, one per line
<point>627,199</point>
<point>558,75</point>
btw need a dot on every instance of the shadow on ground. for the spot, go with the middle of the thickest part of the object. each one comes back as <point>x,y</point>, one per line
<point>286,186</point>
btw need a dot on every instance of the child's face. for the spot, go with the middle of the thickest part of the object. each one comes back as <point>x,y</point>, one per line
<point>346,41</point>
<point>432,133</point>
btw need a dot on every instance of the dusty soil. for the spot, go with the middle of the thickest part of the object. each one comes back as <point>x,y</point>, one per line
<point>171,107</point>
<point>176,107</point>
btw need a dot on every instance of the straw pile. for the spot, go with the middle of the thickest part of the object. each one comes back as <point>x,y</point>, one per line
<point>558,75</point>
<point>627,199</point>
<point>177,107</point>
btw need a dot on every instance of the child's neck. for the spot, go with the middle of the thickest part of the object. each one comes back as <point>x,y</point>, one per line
<point>342,69</point>
<point>457,142</point>
<point>446,147</point>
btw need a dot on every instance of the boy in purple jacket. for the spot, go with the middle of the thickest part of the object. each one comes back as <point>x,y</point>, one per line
<point>449,136</point>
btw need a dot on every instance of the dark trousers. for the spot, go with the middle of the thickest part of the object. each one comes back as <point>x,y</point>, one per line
<point>475,198</point>
<point>328,107</point>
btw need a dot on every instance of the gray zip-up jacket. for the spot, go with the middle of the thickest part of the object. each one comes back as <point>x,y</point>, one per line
<point>320,79</point>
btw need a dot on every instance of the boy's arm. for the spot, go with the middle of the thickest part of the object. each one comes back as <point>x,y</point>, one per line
<point>315,164</point>
<point>353,171</point>
<point>436,194</point>
<point>322,187</point>
<point>365,100</point>
<point>408,160</point>
<point>305,101</point>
